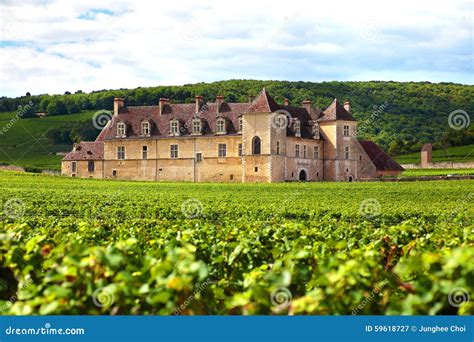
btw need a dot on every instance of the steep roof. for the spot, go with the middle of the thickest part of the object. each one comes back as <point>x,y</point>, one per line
<point>264,103</point>
<point>87,150</point>
<point>336,111</point>
<point>381,160</point>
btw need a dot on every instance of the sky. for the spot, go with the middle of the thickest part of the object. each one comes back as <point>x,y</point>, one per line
<point>57,46</point>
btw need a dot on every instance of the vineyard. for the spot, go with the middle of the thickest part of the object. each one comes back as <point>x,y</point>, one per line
<point>83,246</point>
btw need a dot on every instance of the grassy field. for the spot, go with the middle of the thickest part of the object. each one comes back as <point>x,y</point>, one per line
<point>25,142</point>
<point>436,172</point>
<point>453,154</point>
<point>83,246</point>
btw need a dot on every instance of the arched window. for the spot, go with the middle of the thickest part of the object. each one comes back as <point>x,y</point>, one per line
<point>256,145</point>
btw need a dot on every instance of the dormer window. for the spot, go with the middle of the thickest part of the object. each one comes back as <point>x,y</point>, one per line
<point>197,126</point>
<point>121,130</point>
<point>174,127</point>
<point>221,129</point>
<point>145,128</point>
<point>316,131</point>
<point>346,130</point>
<point>297,128</point>
<point>241,124</point>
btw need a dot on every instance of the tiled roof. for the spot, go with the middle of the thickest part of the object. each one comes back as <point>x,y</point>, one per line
<point>381,160</point>
<point>133,116</point>
<point>87,150</point>
<point>336,111</point>
<point>427,147</point>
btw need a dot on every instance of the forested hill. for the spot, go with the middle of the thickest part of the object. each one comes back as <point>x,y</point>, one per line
<point>400,116</point>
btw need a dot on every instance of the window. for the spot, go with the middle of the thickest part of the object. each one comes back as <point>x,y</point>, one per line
<point>222,151</point>
<point>174,151</point>
<point>174,127</point>
<point>256,169</point>
<point>346,152</point>
<point>316,152</point>
<point>121,129</point>
<point>304,151</point>
<point>240,150</point>
<point>144,152</point>
<point>90,166</point>
<point>197,126</point>
<point>114,173</point>
<point>278,147</point>
<point>241,124</point>
<point>74,166</point>
<point>297,151</point>
<point>346,130</point>
<point>221,126</point>
<point>297,128</point>
<point>316,131</point>
<point>198,157</point>
<point>256,145</point>
<point>145,128</point>
<point>121,152</point>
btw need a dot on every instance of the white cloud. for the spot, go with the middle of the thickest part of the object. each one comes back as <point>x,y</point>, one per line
<point>53,46</point>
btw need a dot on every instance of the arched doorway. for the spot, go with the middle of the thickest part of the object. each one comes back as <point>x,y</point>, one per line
<point>350,179</point>
<point>302,175</point>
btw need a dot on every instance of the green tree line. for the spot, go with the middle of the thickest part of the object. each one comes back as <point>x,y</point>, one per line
<point>400,116</point>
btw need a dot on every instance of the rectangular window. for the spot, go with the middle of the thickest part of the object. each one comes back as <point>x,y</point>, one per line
<point>346,152</point>
<point>145,129</point>
<point>297,151</point>
<point>346,130</point>
<point>144,152</point>
<point>114,173</point>
<point>316,152</point>
<point>197,127</point>
<point>241,124</point>
<point>240,150</point>
<point>198,157</point>
<point>121,129</point>
<point>278,148</point>
<point>174,151</point>
<point>222,151</point>
<point>90,166</point>
<point>74,166</point>
<point>121,152</point>
<point>220,126</point>
<point>174,127</point>
<point>304,151</point>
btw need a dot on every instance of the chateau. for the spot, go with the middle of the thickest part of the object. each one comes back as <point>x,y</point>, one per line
<point>258,141</point>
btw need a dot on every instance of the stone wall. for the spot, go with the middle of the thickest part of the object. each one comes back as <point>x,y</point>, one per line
<point>442,165</point>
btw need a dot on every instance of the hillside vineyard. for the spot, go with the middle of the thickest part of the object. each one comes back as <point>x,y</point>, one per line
<point>257,141</point>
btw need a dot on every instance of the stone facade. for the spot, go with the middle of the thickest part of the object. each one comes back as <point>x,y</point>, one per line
<point>259,141</point>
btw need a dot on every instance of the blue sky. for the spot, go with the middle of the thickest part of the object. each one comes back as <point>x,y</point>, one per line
<point>54,46</point>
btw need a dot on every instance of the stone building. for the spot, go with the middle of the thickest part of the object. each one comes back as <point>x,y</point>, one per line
<point>259,141</point>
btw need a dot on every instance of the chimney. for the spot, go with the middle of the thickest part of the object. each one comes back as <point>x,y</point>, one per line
<point>118,103</point>
<point>163,102</point>
<point>426,155</point>
<point>347,106</point>
<point>219,102</point>
<point>198,103</point>
<point>250,98</point>
<point>287,102</point>
<point>307,105</point>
